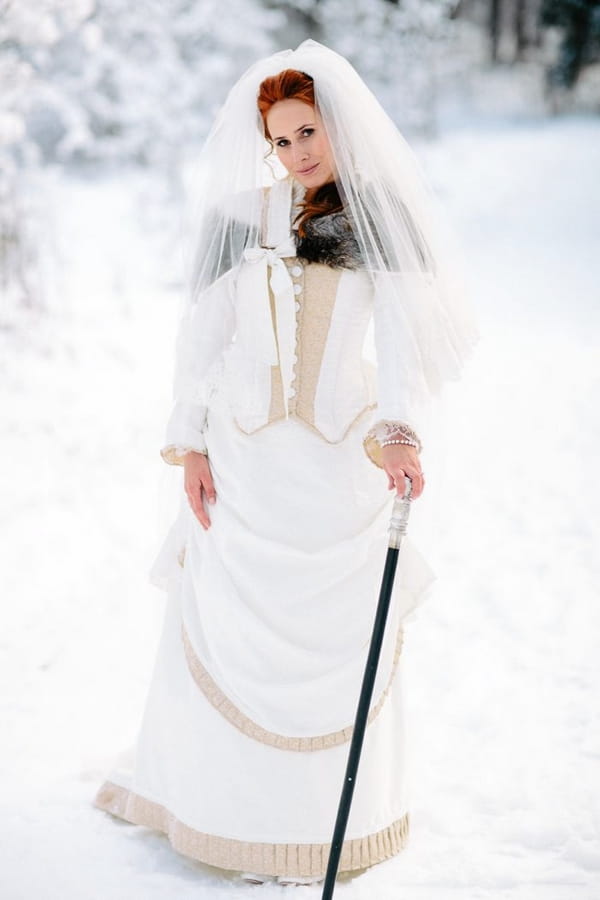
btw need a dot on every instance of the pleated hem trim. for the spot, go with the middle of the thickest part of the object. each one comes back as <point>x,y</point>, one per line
<point>252,729</point>
<point>247,856</point>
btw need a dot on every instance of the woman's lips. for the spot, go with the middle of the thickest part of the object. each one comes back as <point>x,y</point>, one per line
<point>308,171</point>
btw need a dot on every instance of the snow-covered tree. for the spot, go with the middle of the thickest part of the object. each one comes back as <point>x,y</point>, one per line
<point>123,81</point>
<point>29,29</point>
<point>95,82</point>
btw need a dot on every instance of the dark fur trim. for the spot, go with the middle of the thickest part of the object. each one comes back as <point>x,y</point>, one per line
<point>330,239</point>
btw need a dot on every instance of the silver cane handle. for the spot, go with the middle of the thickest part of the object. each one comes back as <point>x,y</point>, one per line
<point>400,512</point>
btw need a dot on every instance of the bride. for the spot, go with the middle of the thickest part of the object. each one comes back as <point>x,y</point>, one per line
<point>315,223</point>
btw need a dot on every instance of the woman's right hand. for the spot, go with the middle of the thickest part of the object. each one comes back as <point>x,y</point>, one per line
<point>198,481</point>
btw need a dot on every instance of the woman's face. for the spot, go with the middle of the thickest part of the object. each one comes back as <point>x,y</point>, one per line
<point>300,141</point>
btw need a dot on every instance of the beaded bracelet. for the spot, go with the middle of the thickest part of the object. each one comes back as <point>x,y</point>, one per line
<point>388,430</point>
<point>399,441</point>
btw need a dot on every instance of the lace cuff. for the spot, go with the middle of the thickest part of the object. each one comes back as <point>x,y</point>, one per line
<point>173,453</point>
<point>387,429</point>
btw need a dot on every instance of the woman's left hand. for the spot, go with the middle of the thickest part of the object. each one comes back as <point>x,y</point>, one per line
<point>400,460</point>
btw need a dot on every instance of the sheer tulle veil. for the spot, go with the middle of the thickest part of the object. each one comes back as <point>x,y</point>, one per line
<point>404,236</point>
<point>398,222</point>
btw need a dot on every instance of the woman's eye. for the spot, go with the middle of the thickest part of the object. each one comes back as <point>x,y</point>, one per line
<point>284,141</point>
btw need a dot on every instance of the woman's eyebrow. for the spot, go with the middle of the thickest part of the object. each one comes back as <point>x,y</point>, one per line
<point>295,132</point>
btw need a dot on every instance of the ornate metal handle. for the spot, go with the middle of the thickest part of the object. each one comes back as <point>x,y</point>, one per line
<point>400,512</point>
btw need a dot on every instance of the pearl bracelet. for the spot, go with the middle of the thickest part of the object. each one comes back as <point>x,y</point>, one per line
<point>398,441</point>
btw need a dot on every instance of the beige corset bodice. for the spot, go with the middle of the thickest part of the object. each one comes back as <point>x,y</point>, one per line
<point>329,384</point>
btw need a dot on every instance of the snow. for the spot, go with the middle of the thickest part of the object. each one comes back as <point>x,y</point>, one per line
<point>501,669</point>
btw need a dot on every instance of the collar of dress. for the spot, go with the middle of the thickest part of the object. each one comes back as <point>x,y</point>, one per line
<point>328,239</point>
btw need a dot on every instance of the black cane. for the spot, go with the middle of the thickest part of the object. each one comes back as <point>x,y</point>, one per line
<point>397,530</point>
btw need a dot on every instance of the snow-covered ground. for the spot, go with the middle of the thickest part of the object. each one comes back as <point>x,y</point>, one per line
<point>502,677</point>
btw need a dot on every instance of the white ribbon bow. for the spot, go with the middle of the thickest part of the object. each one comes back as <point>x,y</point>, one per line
<point>276,344</point>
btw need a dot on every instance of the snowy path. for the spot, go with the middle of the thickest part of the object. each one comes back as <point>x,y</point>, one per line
<point>502,673</point>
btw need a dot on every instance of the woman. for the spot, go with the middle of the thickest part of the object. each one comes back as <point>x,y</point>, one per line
<point>314,222</point>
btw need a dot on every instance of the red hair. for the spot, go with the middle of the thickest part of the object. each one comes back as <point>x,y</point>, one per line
<point>291,84</point>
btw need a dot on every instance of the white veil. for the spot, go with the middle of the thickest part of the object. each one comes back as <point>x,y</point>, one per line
<point>407,247</point>
<point>405,243</point>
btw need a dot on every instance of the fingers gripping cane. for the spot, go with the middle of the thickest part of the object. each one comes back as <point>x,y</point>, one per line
<point>397,530</point>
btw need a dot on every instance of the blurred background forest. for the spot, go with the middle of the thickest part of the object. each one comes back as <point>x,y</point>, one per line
<point>93,85</point>
<point>103,107</point>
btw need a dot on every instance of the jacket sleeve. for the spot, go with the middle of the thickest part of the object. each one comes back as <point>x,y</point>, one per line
<point>203,336</point>
<point>397,411</point>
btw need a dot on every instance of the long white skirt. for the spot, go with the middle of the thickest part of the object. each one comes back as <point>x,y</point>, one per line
<point>244,739</point>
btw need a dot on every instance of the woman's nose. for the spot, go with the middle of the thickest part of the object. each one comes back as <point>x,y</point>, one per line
<point>298,154</point>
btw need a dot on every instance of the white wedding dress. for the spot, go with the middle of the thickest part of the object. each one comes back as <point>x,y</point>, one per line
<point>244,739</point>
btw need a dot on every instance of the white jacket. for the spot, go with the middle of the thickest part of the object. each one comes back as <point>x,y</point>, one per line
<point>286,337</point>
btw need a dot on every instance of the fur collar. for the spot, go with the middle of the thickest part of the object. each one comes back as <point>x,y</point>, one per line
<point>330,239</point>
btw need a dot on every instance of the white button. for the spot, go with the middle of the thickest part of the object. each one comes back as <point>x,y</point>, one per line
<point>295,357</point>
<point>297,270</point>
<point>297,288</point>
<point>292,392</point>
<point>297,302</point>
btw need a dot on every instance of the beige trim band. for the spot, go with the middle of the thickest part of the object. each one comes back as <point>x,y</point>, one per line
<point>233,714</point>
<point>245,856</point>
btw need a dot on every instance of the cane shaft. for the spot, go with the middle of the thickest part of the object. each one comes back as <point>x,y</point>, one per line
<point>397,530</point>
<point>360,725</point>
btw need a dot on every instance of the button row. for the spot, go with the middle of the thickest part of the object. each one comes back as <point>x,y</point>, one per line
<point>296,270</point>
